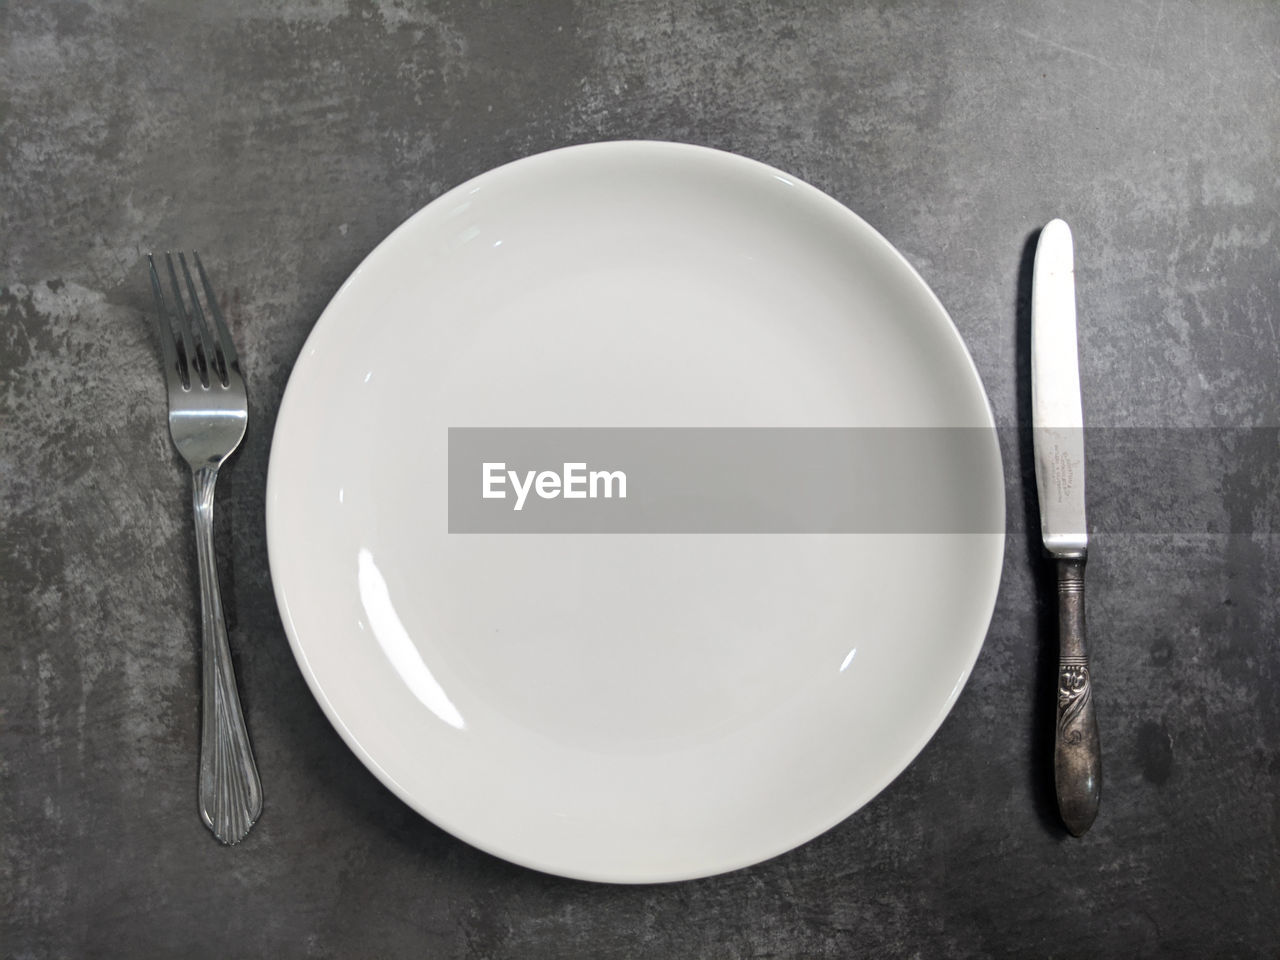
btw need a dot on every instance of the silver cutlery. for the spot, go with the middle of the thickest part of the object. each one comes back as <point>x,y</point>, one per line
<point>208,411</point>
<point>1058,438</point>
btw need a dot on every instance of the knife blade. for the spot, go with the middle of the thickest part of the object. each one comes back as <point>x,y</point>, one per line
<point>1057,423</point>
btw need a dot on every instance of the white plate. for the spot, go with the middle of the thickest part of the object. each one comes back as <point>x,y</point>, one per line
<point>622,708</point>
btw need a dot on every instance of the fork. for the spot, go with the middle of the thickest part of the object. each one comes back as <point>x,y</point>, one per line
<point>208,411</point>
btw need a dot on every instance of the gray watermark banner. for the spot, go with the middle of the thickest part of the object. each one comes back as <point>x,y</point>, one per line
<point>658,480</point>
<point>864,480</point>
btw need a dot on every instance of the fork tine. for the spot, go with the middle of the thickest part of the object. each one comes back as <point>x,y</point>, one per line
<point>215,364</point>
<point>184,326</point>
<point>173,368</point>
<point>229,357</point>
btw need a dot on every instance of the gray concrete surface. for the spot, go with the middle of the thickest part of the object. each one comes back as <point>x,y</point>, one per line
<point>284,138</point>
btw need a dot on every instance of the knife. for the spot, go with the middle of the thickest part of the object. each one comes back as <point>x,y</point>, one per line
<point>1057,423</point>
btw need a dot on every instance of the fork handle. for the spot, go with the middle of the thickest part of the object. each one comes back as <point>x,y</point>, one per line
<point>230,791</point>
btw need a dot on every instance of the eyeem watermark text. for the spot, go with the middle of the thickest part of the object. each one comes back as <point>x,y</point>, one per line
<point>573,482</point>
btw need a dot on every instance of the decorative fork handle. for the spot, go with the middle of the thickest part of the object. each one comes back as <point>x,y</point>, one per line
<point>230,791</point>
<point>1077,760</point>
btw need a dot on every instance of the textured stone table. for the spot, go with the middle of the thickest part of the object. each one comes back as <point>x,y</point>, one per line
<point>285,138</point>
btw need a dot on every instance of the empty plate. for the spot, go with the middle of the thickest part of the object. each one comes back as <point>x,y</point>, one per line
<point>624,707</point>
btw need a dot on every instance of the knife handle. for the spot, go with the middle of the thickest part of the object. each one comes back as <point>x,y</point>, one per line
<point>1077,759</point>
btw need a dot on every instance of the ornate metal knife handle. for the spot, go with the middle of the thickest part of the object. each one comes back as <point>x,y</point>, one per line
<point>1077,759</point>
